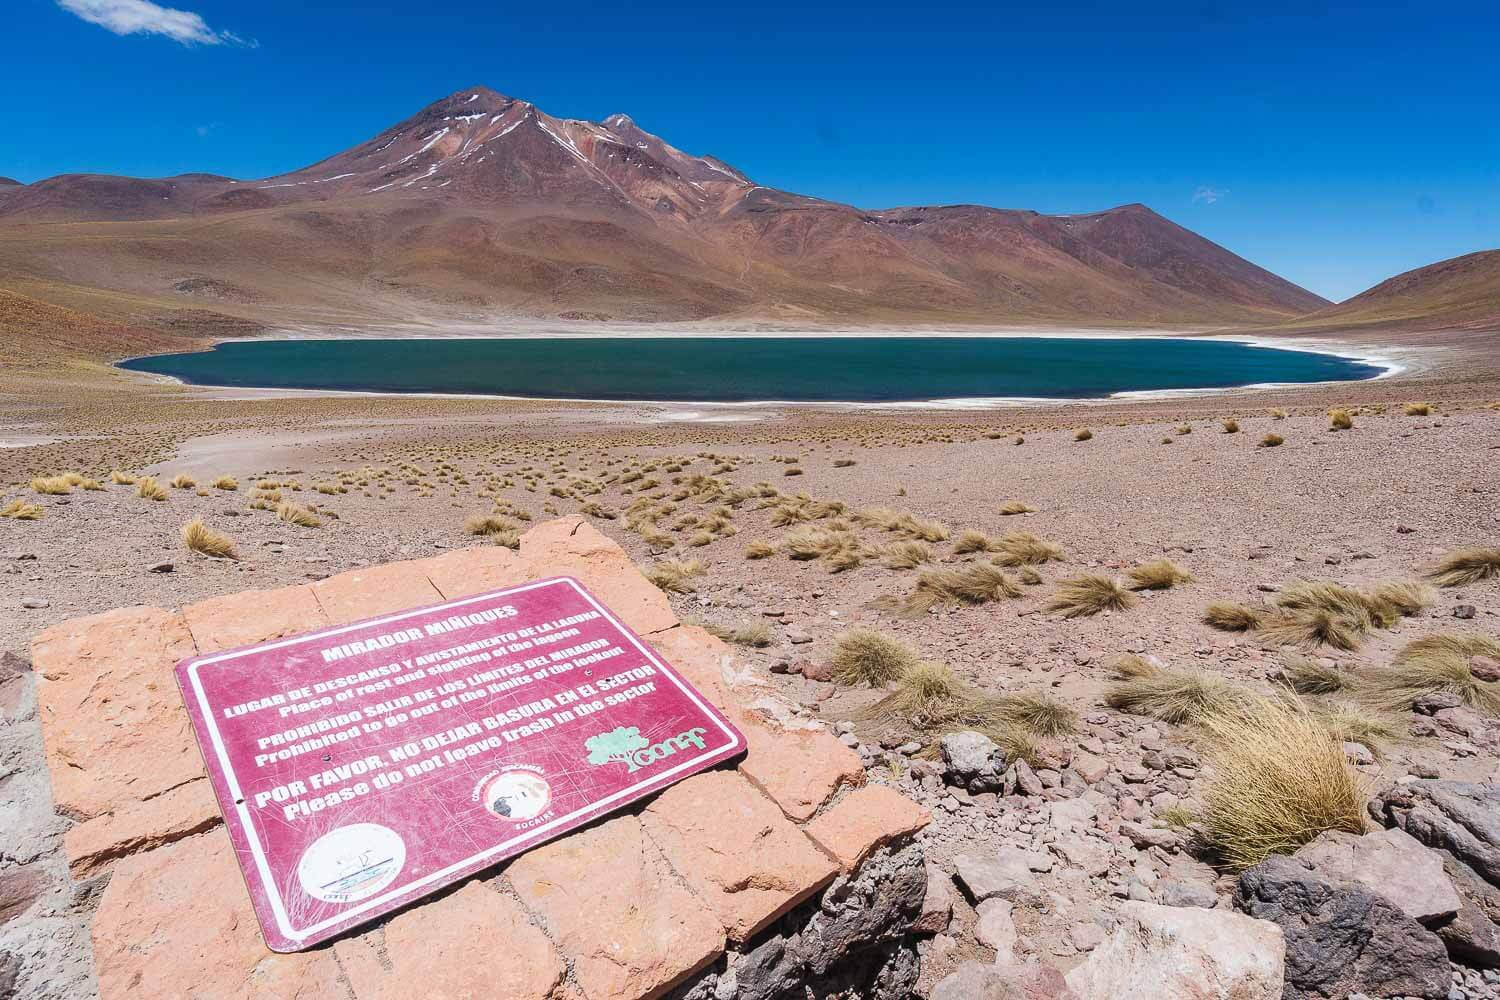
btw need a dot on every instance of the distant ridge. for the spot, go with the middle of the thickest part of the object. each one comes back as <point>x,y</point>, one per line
<point>1462,293</point>
<point>482,207</point>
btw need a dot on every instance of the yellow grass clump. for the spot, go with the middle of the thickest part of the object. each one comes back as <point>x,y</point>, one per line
<point>1083,434</point>
<point>1140,687</point>
<point>183,481</point>
<point>296,514</point>
<point>1306,676</point>
<point>929,696</point>
<point>199,537</point>
<point>121,478</point>
<point>1463,567</point>
<point>226,483</point>
<point>977,583</point>
<point>147,488</point>
<point>866,658</point>
<point>1013,507</point>
<point>756,634</point>
<point>1340,420</point>
<point>1272,441</point>
<point>1442,663</point>
<point>20,510</point>
<point>759,550</point>
<point>1230,425</point>
<point>1021,548</point>
<point>1417,409</point>
<point>905,555</point>
<point>972,541</point>
<point>489,524</point>
<point>1036,713</point>
<point>52,485</point>
<point>1159,574</point>
<point>1089,594</point>
<point>1279,779</point>
<point>675,576</point>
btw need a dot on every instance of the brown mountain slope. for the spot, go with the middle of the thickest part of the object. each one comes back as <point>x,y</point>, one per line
<point>1458,294</point>
<point>482,207</point>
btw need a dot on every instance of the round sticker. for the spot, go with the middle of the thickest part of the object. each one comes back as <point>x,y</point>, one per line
<point>517,795</point>
<point>352,862</point>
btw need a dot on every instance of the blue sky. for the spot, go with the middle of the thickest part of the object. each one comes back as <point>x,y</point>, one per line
<point>1335,145</point>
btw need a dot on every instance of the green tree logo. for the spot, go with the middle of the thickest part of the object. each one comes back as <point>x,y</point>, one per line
<point>616,745</point>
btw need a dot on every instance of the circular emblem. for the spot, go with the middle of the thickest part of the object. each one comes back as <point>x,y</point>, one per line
<point>517,795</point>
<point>352,862</point>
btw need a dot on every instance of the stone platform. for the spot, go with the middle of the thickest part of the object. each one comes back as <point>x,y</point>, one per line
<point>629,907</point>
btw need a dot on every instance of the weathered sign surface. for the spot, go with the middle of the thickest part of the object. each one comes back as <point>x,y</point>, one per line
<point>364,766</point>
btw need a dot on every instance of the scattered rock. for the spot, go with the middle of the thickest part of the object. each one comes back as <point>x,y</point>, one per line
<point>161,567</point>
<point>797,637</point>
<point>996,929</point>
<point>1174,893</point>
<point>1460,817</point>
<point>35,603</point>
<point>937,905</point>
<point>1464,611</point>
<point>1186,954</point>
<point>1342,938</point>
<point>977,981</point>
<point>1391,864</point>
<point>997,877</point>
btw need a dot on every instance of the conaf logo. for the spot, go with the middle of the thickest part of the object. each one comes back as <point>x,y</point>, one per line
<point>627,746</point>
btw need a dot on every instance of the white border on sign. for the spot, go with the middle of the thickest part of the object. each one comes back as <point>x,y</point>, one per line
<point>262,866</point>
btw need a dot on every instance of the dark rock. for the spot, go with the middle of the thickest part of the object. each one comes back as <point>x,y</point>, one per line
<point>1462,817</point>
<point>1464,611</point>
<point>973,761</point>
<point>1437,701</point>
<point>162,567</point>
<point>1341,938</point>
<point>1472,938</point>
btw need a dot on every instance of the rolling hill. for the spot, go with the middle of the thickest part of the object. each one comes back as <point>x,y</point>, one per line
<point>482,208</point>
<point>1460,294</point>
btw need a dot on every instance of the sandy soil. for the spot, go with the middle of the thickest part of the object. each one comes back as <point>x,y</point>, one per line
<point>1377,502</point>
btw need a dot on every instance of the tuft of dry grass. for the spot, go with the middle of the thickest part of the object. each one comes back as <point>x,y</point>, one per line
<point>1089,594</point>
<point>1406,598</point>
<point>1340,420</point>
<point>929,696</point>
<point>489,524</point>
<point>972,541</point>
<point>52,485</point>
<point>1230,425</point>
<point>199,537</point>
<point>1417,409</point>
<point>756,635</point>
<point>977,583</point>
<point>1036,713</point>
<point>905,555</point>
<point>1272,441</point>
<point>1463,567</point>
<point>1278,414</point>
<point>1176,696</point>
<point>1013,507</point>
<point>296,514</point>
<point>1083,434</point>
<point>121,478</point>
<point>1159,574</point>
<point>1312,627</point>
<point>225,483</point>
<point>1442,663</point>
<point>759,550</point>
<point>183,481</point>
<point>675,576</point>
<point>1279,779</point>
<point>1021,548</point>
<point>843,463</point>
<point>147,488</point>
<point>20,510</point>
<point>1306,676</point>
<point>866,658</point>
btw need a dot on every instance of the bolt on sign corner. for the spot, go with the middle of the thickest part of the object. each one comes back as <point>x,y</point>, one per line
<point>365,766</point>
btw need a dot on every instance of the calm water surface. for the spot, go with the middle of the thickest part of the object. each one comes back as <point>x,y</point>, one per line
<point>802,369</point>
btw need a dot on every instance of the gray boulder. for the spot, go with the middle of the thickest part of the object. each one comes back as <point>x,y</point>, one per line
<point>973,761</point>
<point>1389,863</point>
<point>1342,938</point>
<point>1462,817</point>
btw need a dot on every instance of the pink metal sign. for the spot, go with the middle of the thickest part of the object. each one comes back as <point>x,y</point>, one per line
<point>362,767</point>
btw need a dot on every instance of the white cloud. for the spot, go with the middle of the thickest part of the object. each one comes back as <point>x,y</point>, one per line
<point>142,17</point>
<point>1208,195</point>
